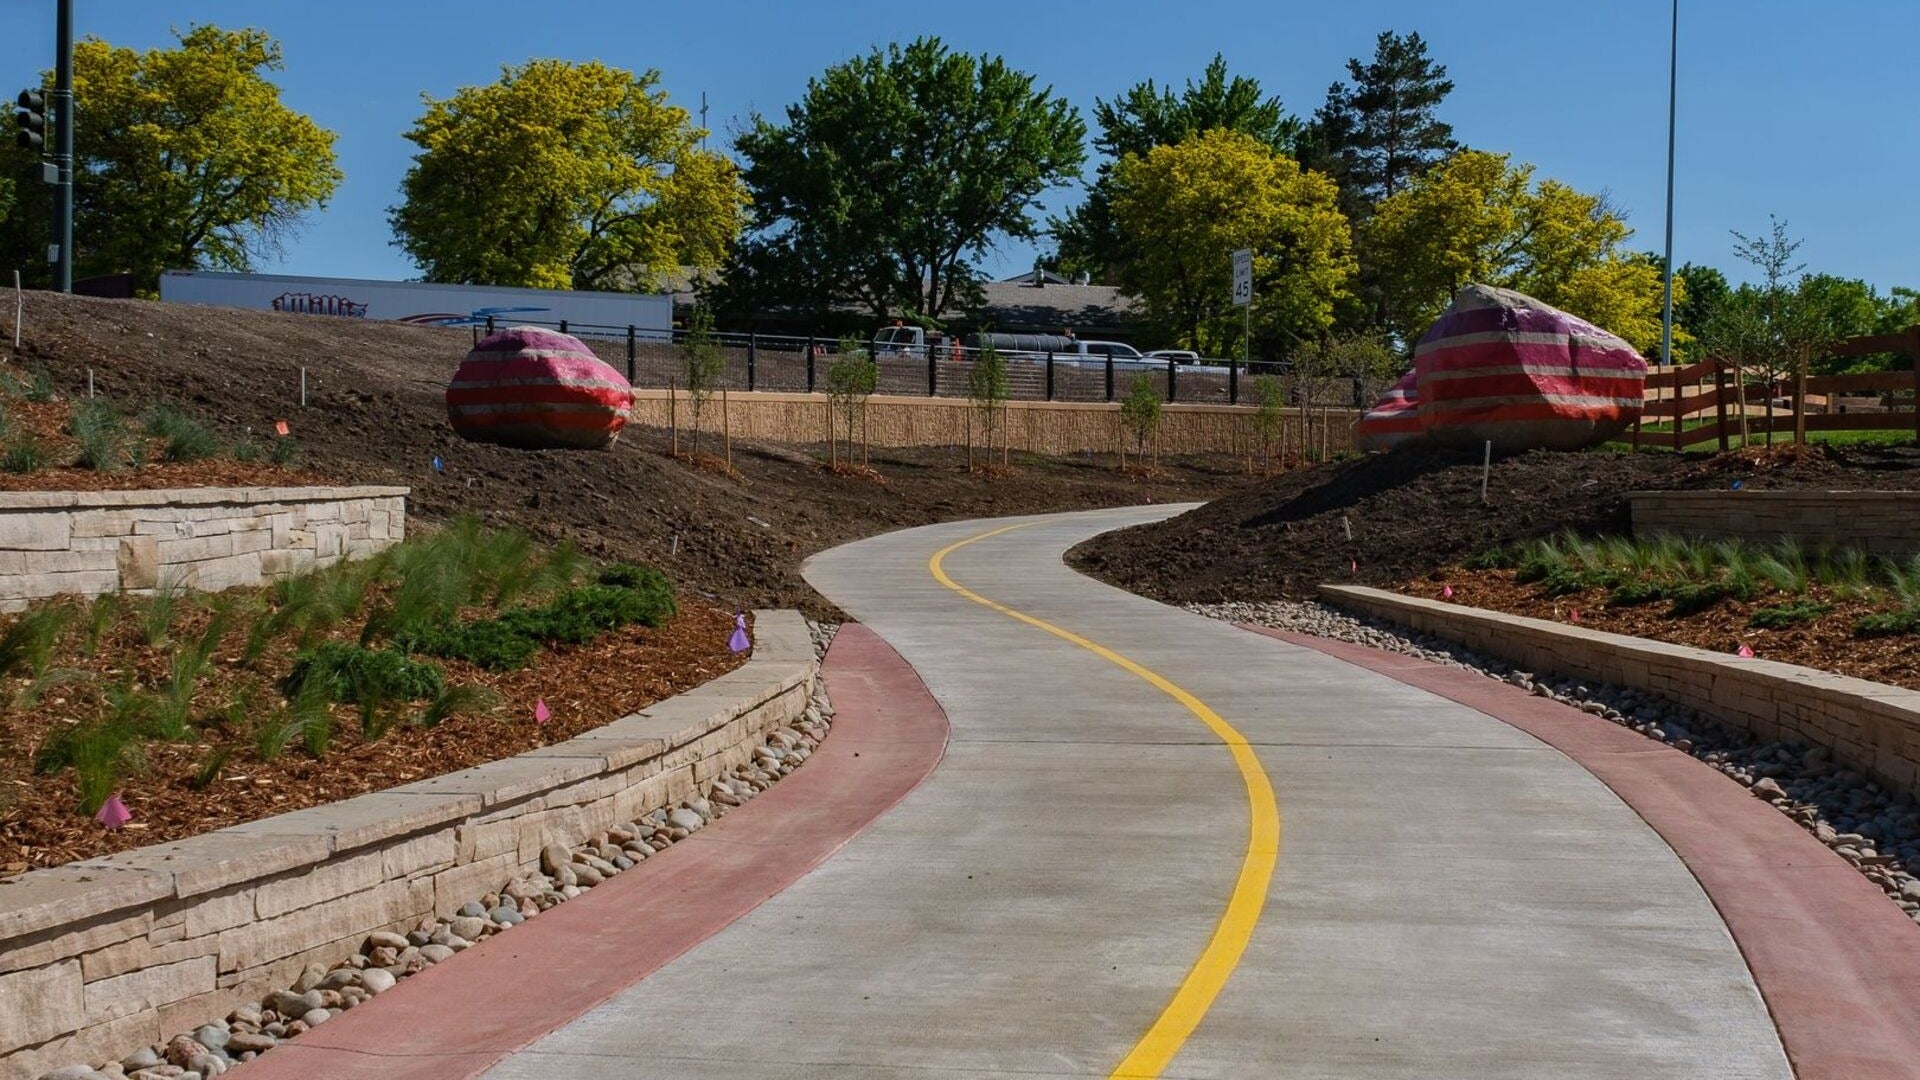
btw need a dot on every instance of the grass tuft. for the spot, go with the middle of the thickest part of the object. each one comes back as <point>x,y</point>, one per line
<point>185,438</point>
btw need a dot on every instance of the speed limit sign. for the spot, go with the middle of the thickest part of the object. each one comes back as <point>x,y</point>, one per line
<point>1243,277</point>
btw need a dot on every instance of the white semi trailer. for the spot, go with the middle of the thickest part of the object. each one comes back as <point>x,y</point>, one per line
<point>593,314</point>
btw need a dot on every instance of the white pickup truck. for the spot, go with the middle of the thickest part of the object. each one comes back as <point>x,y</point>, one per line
<point>913,341</point>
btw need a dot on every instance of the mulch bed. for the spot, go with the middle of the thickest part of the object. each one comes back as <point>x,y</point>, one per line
<point>48,422</point>
<point>1384,519</point>
<point>1826,643</point>
<point>584,686</point>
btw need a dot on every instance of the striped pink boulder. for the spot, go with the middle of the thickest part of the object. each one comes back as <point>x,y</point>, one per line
<point>1394,420</point>
<point>537,389</point>
<point>1502,366</point>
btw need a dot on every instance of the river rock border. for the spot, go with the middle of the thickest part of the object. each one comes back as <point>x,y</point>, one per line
<point>280,923</point>
<point>1875,829</point>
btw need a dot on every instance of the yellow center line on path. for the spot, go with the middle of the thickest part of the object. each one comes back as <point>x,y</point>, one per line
<point>1155,1050</point>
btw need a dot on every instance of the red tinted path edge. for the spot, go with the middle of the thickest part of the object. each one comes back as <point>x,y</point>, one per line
<point>458,1018</point>
<point>1836,962</point>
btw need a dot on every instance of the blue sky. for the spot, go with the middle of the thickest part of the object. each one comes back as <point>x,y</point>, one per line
<point>1784,109</point>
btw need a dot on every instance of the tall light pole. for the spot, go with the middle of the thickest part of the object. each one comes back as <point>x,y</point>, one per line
<point>63,149</point>
<point>1673,90</point>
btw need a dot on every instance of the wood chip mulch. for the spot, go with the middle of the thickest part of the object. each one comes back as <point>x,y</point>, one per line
<point>1826,643</point>
<point>48,421</point>
<point>584,687</point>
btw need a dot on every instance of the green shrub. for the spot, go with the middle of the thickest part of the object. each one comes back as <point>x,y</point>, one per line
<point>1693,597</point>
<point>352,672</point>
<point>1887,624</point>
<point>1781,616</point>
<point>284,451</point>
<point>1494,558</point>
<point>579,615</point>
<point>486,643</point>
<point>245,448</point>
<point>186,439</point>
<point>1633,593</point>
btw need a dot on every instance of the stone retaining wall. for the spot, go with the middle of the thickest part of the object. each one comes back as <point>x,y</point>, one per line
<point>1879,522</point>
<point>101,956</point>
<point>1041,427</point>
<point>1869,726</point>
<point>90,542</point>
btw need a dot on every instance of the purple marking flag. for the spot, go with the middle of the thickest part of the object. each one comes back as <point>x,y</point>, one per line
<point>113,813</point>
<point>738,642</point>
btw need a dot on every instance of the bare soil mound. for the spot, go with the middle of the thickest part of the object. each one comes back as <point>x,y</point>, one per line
<point>375,414</point>
<point>1384,519</point>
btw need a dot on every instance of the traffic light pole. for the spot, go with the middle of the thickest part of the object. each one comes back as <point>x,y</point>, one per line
<point>63,151</point>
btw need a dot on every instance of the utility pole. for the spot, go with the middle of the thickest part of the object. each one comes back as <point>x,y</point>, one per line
<point>1673,92</point>
<point>703,119</point>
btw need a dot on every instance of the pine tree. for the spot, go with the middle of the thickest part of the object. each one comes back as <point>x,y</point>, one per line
<point>1380,130</point>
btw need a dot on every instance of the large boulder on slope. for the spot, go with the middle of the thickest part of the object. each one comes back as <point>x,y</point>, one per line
<point>537,389</point>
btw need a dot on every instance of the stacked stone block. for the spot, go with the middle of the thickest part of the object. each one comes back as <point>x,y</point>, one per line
<point>1868,726</point>
<point>89,542</point>
<point>1878,522</point>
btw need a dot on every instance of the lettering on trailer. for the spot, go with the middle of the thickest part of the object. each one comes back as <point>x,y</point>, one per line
<point>314,304</point>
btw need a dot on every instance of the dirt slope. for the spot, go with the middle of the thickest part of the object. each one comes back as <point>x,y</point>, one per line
<point>1383,519</point>
<point>375,415</point>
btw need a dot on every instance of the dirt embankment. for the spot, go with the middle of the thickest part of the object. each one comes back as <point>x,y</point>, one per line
<point>1385,519</point>
<point>375,415</point>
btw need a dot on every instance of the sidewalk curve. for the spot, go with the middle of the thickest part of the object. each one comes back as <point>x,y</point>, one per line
<point>1452,897</point>
<point>1838,964</point>
<point>457,1018</point>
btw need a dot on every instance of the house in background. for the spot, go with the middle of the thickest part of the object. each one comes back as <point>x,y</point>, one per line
<point>1034,302</point>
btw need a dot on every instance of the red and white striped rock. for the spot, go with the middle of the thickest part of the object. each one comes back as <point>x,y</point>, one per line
<point>537,389</point>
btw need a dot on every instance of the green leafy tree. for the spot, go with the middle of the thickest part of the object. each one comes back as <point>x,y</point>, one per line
<point>564,175</point>
<point>1479,218</point>
<point>1140,412</point>
<point>892,173</point>
<point>1185,208</point>
<point>185,157</point>
<point>1144,117</point>
<point>1381,130</point>
<point>851,380</point>
<point>1777,327</point>
<point>701,366</point>
<point>1698,292</point>
<point>988,387</point>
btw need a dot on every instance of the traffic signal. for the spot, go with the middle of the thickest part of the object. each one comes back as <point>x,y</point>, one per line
<point>32,120</point>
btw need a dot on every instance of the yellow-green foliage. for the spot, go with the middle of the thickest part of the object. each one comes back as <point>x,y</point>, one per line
<point>1184,209</point>
<point>564,175</point>
<point>1478,217</point>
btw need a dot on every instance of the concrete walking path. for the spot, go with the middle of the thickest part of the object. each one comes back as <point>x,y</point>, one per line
<point>1451,897</point>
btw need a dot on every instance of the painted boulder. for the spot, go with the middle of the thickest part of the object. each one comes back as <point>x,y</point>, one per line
<point>1393,422</point>
<point>537,389</point>
<point>1502,366</point>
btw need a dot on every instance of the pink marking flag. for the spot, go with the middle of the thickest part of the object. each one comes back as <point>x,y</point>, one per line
<point>1446,592</point>
<point>1744,651</point>
<point>1355,568</point>
<point>280,427</point>
<point>113,813</point>
<point>541,714</point>
<point>1573,615</point>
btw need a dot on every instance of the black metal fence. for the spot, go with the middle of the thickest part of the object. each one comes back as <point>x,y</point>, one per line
<point>652,359</point>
